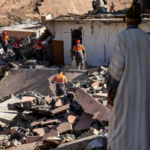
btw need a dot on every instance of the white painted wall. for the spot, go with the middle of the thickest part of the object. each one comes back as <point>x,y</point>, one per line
<point>98,41</point>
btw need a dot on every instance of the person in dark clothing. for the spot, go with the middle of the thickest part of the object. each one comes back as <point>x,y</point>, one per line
<point>79,54</point>
<point>94,5</point>
<point>38,48</point>
<point>17,48</point>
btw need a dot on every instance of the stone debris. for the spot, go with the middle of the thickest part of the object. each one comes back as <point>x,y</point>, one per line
<point>78,119</point>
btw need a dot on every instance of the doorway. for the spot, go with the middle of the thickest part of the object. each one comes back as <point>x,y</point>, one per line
<point>76,34</point>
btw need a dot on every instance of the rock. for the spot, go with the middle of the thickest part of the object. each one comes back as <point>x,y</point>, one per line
<point>69,137</point>
<point>95,144</point>
<point>90,132</point>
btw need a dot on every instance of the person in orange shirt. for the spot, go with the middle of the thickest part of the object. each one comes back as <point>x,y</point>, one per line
<point>38,48</point>
<point>60,81</point>
<point>17,48</point>
<point>79,54</point>
<point>5,40</point>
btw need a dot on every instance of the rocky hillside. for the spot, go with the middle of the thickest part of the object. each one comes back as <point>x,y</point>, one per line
<point>12,11</point>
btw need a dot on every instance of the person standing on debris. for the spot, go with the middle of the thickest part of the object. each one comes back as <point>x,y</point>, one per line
<point>128,87</point>
<point>38,48</point>
<point>79,54</point>
<point>17,47</point>
<point>60,81</point>
<point>5,40</point>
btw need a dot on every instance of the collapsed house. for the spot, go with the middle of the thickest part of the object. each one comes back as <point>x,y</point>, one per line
<point>96,32</point>
<point>31,116</point>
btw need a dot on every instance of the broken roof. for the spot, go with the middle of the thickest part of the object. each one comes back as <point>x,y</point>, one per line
<point>113,18</point>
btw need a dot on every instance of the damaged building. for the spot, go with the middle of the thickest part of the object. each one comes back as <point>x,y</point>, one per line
<point>96,32</point>
<point>32,117</point>
<point>45,121</point>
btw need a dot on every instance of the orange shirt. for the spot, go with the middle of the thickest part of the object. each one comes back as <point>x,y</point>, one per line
<point>16,46</point>
<point>38,47</point>
<point>79,49</point>
<point>60,78</point>
<point>5,39</point>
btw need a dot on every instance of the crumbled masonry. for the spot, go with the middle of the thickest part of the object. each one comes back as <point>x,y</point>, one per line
<point>42,120</point>
<point>54,121</point>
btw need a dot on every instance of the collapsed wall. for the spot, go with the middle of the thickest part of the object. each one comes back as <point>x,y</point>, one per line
<point>18,81</point>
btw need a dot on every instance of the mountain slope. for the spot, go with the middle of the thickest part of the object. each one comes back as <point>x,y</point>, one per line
<point>12,11</point>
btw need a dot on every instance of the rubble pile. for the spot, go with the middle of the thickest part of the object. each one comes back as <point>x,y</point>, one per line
<point>5,69</point>
<point>78,120</point>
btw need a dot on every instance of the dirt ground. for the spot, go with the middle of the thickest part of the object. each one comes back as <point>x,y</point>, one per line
<point>18,81</point>
<point>13,11</point>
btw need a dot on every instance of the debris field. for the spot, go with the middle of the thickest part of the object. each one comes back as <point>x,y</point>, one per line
<point>74,121</point>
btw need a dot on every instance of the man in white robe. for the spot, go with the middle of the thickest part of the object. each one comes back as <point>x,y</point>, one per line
<point>129,87</point>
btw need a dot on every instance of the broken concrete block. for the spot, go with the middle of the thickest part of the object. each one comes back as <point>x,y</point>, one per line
<point>4,140</point>
<point>32,139</point>
<point>52,127</point>
<point>69,137</point>
<point>95,144</point>
<point>41,131</point>
<point>13,130</point>
<point>101,116</point>
<point>84,122</point>
<point>27,102</point>
<point>27,98</point>
<point>95,84</point>
<point>95,87</point>
<point>48,99</point>
<point>103,95</point>
<point>37,122</point>
<point>6,132</point>
<point>42,109</point>
<point>90,132</point>
<point>90,105</point>
<point>30,63</point>
<point>15,143</point>
<point>59,102</point>
<point>51,122</point>
<point>76,144</point>
<point>52,133</point>
<point>72,119</point>
<point>68,113</point>
<point>60,111</point>
<point>29,146</point>
<point>53,138</point>
<point>64,127</point>
<point>22,140</point>
<point>21,132</point>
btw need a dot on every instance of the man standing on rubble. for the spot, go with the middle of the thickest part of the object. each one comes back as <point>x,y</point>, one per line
<point>128,87</point>
<point>5,40</point>
<point>79,54</point>
<point>60,81</point>
<point>17,48</point>
<point>38,48</point>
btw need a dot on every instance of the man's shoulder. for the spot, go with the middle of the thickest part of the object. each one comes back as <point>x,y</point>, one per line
<point>132,30</point>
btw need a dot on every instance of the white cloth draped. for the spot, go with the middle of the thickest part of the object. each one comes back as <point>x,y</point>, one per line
<point>129,124</point>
